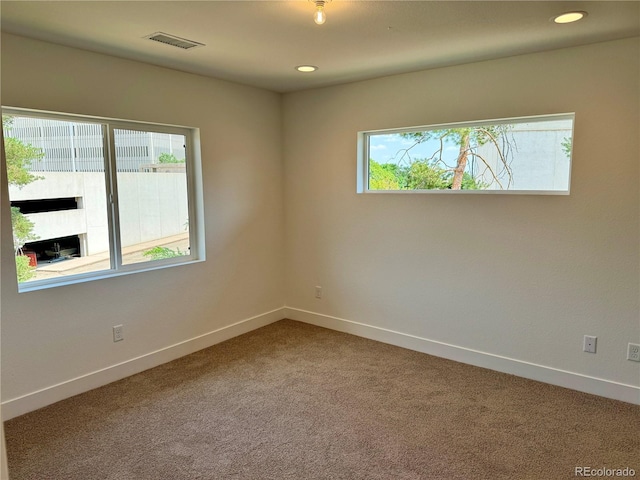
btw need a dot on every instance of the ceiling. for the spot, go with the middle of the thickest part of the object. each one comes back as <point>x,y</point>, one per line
<point>260,42</point>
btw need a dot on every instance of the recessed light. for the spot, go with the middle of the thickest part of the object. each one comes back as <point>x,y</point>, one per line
<point>569,17</point>
<point>306,68</point>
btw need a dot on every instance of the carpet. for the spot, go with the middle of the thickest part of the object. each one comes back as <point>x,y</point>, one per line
<point>295,401</point>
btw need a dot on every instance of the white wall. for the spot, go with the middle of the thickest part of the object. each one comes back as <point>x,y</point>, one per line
<point>511,281</point>
<point>53,336</point>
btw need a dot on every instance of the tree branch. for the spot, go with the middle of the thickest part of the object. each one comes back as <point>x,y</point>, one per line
<point>495,177</point>
<point>502,158</point>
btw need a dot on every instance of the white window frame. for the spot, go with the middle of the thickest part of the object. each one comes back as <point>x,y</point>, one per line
<point>363,154</point>
<point>193,165</point>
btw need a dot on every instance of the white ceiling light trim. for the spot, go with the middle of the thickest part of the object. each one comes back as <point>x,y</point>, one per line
<point>569,17</point>
<point>306,68</point>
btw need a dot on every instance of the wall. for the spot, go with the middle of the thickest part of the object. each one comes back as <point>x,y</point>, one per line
<point>511,282</point>
<point>58,341</point>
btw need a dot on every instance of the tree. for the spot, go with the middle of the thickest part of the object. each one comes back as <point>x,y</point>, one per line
<point>22,229</point>
<point>24,269</point>
<point>169,158</point>
<point>18,159</point>
<point>468,139</point>
<point>381,177</point>
<point>160,253</point>
<point>421,174</point>
<point>566,146</point>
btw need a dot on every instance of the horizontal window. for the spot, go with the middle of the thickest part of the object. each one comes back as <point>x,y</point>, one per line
<point>516,155</point>
<point>93,197</point>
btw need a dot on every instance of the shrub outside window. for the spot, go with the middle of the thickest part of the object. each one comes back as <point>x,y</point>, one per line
<point>93,197</point>
<point>517,155</point>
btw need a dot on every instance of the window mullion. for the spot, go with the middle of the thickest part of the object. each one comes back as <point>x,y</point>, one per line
<point>190,177</point>
<point>112,198</point>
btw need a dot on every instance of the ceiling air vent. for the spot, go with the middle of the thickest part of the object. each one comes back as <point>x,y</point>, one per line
<point>173,40</point>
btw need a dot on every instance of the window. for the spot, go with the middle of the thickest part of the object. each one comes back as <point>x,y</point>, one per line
<point>94,197</point>
<point>517,155</point>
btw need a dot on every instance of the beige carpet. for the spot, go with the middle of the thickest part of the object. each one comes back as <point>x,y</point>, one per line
<point>294,401</point>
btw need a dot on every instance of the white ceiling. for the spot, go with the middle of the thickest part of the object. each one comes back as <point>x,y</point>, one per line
<point>260,42</point>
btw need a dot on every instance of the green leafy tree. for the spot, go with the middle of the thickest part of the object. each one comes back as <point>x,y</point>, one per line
<point>470,183</point>
<point>169,158</point>
<point>381,177</point>
<point>423,176</point>
<point>160,253</point>
<point>23,268</point>
<point>400,172</point>
<point>420,175</point>
<point>22,229</point>
<point>19,156</point>
<point>566,146</point>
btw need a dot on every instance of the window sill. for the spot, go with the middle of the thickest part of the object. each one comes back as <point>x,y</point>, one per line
<point>101,275</point>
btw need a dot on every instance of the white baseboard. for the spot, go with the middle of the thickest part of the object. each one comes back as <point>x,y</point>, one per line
<point>41,398</point>
<point>553,376</point>
<point>46,396</point>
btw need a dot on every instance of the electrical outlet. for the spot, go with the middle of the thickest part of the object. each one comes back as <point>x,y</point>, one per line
<point>633,352</point>
<point>318,291</point>
<point>118,333</point>
<point>590,344</point>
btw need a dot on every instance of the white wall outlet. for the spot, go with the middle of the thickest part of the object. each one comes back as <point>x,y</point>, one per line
<point>318,291</point>
<point>590,344</point>
<point>633,352</point>
<point>118,333</point>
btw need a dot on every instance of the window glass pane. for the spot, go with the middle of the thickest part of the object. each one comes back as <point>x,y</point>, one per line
<point>518,155</point>
<point>152,195</point>
<point>58,197</point>
<point>64,183</point>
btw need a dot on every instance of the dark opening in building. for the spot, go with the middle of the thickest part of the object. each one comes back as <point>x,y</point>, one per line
<point>55,248</point>
<point>46,205</point>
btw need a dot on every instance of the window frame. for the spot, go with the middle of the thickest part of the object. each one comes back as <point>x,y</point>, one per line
<point>363,154</point>
<point>195,204</point>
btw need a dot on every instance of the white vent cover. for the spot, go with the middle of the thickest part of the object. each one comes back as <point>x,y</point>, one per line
<point>173,40</point>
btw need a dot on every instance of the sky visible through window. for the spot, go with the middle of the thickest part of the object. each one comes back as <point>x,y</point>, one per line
<point>392,148</point>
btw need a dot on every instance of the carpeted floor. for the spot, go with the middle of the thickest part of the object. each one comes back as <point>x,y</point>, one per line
<point>294,401</point>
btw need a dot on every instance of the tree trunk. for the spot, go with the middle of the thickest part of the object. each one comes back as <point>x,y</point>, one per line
<point>458,172</point>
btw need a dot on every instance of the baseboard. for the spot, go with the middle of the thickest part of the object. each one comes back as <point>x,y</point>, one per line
<point>41,398</point>
<point>553,376</point>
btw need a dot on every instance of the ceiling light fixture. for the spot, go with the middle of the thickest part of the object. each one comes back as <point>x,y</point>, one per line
<point>569,17</point>
<point>306,68</point>
<point>320,17</point>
